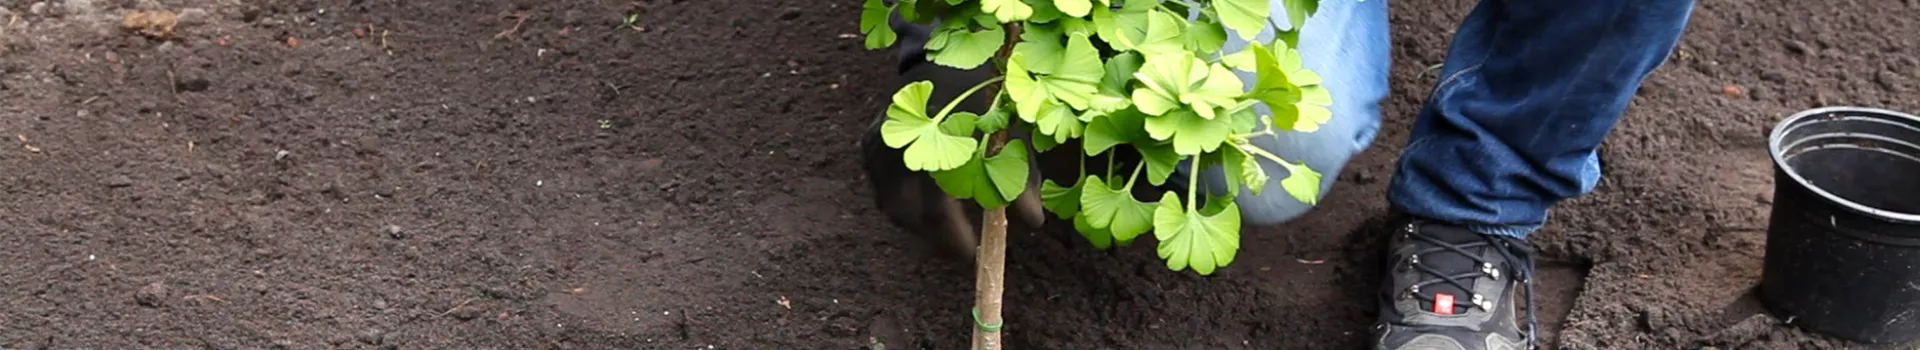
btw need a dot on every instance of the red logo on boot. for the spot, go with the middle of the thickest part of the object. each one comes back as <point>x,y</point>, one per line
<point>1443,304</point>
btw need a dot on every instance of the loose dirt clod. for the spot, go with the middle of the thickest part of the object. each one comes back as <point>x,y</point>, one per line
<point>152,295</point>
<point>157,24</point>
<point>371,336</point>
<point>118,181</point>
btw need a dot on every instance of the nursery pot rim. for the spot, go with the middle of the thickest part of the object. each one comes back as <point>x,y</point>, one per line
<point>1779,158</point>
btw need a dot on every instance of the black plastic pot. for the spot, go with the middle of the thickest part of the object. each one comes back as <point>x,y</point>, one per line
<point>1843,244</point>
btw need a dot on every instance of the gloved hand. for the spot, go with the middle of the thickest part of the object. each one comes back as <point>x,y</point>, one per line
<point>912,200</point>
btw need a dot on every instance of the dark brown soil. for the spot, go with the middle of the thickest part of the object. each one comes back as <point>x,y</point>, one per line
<point>422,175</point>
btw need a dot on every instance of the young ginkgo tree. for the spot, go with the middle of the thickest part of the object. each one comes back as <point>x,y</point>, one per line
<point>1145,76</point>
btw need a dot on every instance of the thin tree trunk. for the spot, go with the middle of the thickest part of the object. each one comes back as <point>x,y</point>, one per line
<point>990,278</point>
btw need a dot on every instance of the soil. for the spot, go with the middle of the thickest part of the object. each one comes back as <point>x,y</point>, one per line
<point>522,174</point>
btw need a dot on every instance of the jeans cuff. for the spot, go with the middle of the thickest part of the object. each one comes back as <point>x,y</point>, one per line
<point>1515,231</point>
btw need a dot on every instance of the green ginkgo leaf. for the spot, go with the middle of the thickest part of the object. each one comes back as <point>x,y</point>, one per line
<point>1041,48</point>
<point>1125,27</point>
<point>1243,120</point>
<point>1224,159</point>
<point>1078,76</point>
<point>1284,84</point>
<point>1100,136</point>
<point>1114,209</point>
<point>1076,8</point>
<point>1270,83</point>
<point>927,148</point>
<point>1309,110</point>
<point>955,44</point>
<point>1189,238</point>
<point>960,124</point>
<point>1203,37</point>
<point>1298,10</point>
<point>1241,60</point>
<point>1100,238</point>
<point>964,181</point>
<point>1104,104</point>
<point>1172,81</point>
<point>972,180</point>
<point>1077,25</point>
<point>1302,182</point>
<point>910,10</point>
<point>1160,160</point>
<point>1120,69</point>
<point>1044,12</point>
<point>1076,72</point>
<point>1243,169</point>
<point>1163,79</point>
<point>1027,93</point>
<point>995,120</point>
<point>1069,73</point>
<point>1009,169</point>
<point>1165,34</point>
<point>1191,134</point>
<point>873,23</point>
<point>1220,88</point>
<point>1124,126</point>
<point>1058,121</point>
<point>1112,95</point>
<point>1044,144</point>
<point>1063,201</point>
<point>1007,11</point>
<point>1247,17</point>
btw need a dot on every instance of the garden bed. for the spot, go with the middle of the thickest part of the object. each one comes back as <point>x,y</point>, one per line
<point>532,174</point>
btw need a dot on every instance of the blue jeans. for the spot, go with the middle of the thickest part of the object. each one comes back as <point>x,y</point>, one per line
<point>1528,91</point>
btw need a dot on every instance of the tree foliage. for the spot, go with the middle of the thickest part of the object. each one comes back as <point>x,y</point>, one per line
<point>1144,76</point>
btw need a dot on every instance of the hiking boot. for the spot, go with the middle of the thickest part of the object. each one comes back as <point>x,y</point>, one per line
<point>1449,288</point>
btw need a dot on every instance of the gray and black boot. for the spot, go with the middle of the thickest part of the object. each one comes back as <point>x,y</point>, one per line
<point>1449,288</point>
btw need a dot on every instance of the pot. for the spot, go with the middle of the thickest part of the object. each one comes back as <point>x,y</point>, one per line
<point>1843,241</point>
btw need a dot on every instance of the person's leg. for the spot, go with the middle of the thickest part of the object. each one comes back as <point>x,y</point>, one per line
<point>1346,43</point>
<point>1529,90</point>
